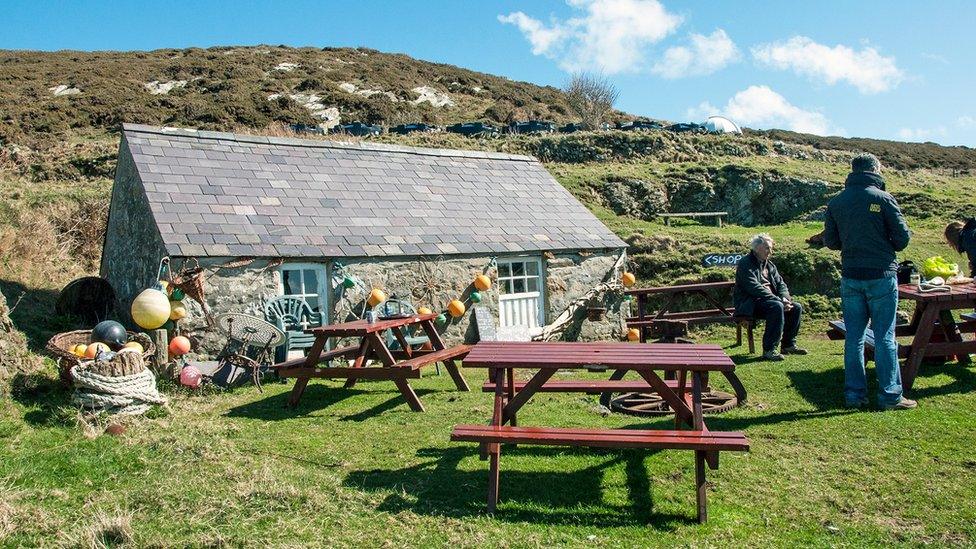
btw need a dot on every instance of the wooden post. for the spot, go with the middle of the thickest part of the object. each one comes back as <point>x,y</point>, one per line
<point>161,340</point>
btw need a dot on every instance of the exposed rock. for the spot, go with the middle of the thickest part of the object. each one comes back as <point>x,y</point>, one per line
<point>430,95</point>
<point>634,197</point>
<point>328,115</point>
<point>64,89</point>
<point>286,67</point>
<point>352,88</point>
<point>162,88</point>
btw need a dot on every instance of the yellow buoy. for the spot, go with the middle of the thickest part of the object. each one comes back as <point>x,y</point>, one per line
<point>165,285</point>
<point>424,311</point>
<point>376,297</point>
<point>177,310</point>
<point>134,345</point>
<point>456,308</point>
<point>482,282</point>
<point>633,334</point>
<point>150,309</point>
<point>628,280</point>
<point>79,349</point>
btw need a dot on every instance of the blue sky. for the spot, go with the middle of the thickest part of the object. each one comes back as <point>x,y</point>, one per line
<point>895,69</point>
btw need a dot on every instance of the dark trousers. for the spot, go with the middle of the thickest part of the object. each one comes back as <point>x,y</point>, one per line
<point>781,325</point>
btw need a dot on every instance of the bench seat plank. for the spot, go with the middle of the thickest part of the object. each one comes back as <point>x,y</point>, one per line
<point>326,355</point>
<point>426,359</point>
<point>603,438</point>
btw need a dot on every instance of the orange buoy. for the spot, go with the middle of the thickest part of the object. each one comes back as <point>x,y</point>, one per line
<point>456,308</point>
<point>633,334</point>
<point>482,282</point>
<point>92,350</point>
<point>628,279</point>
<point>179,345</point>
<point>376,297</point>
<point>424,311</point>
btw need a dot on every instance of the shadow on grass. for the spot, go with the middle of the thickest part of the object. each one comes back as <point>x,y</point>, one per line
<point>316,397</point>
<point>964,379</point>
<point>47,400</point>
<point>32,312</point>
<point>439,488</point>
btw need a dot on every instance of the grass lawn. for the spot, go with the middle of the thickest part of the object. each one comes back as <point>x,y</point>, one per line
<point>357,468</point>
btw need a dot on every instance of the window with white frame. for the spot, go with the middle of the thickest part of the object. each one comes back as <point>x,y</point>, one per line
<point>520,300</point>
<point>305,280</point>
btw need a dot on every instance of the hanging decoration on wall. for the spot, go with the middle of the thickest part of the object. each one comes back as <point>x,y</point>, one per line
<point>376,297</point>
<point>441,319</point>
<point>475,297</point>
<point>456,308</point>
<point>482,282</point>
<point>150,309</point>
<point>633,334</point>
<point>424,311</point>
<point>628,279</point>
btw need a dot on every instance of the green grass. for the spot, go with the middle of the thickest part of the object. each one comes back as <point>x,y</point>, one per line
<point>357,468</point>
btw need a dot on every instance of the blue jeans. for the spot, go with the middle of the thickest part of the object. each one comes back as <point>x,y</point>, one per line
<point>876,300</point>
<point>782,326</point>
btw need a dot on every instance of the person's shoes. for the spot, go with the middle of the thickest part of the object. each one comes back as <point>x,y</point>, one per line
<point>793,350</point>
<point>859,403</point>
<point>773,356</point>
<point>902,404</point>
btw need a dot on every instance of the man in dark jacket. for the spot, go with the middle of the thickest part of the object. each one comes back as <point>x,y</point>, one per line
<point>962,237</point>
<point>866,225</point>
<point>761,293</point>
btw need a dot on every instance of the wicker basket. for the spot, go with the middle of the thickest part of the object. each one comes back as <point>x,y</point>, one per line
<point>60,347</point>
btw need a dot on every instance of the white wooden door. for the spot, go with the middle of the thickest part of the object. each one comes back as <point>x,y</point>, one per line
<point>520,300</point>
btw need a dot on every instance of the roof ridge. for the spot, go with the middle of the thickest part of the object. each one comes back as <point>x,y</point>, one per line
<point>128,127</point>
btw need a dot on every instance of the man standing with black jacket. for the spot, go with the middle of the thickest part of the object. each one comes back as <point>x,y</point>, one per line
<point>866,225</point>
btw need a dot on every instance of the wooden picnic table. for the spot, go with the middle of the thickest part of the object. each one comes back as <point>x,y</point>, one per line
<point>396,365</point>
<point>501,359</point>
<point>716,294</point>
<point>933,311</point>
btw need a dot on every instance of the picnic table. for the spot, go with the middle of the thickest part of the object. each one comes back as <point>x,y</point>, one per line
<point>397,365</point>
<point>934,330</point>
<point>501,359</point>
<point>716,294</point>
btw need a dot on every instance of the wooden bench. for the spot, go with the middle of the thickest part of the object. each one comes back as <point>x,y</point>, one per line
<point>969,317</point>
<point>717,215</point>
<point>447,356</point>
<point>839,331</point>
<point>704,443</point>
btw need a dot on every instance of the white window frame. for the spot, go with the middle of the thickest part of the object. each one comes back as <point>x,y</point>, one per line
<point>541,313</point>
<point>323,285</point>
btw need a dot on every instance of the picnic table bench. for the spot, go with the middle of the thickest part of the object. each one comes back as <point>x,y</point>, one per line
<point>717,215</point>
<point>935,332</point>
<point>716,294</point>
<point>397,365</point>
<point>502,358</point>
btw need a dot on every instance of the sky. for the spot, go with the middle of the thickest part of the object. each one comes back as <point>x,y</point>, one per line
<point>893,69</point>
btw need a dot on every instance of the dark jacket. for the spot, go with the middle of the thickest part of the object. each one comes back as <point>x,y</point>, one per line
<point>749,286</point>
<point>866,225</point>
<point>967,243</point>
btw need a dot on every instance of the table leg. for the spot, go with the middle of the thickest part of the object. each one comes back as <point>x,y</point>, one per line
<point>493,457</point>
<point>407,391</point>
<point>682,381</point>
<point>523,396</point>
<point>398,334</point>
<point>459,380</point>
<point>678,405</point>
<point>435,338</point>
<point>926,326</point>
<point>311,361</point>
<point>511,393</point>
<point>952,333</point>
<point>698,421</point>
<point>737,386</point>
<point>359,361</point>
<point>700,494</point>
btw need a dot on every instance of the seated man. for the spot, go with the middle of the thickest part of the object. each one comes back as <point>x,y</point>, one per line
<point>962,237</point>
<point>761,293</point>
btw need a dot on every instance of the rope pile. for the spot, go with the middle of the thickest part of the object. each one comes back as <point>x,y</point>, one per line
<point>129,395</point>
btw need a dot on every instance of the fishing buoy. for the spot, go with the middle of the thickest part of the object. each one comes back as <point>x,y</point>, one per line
<point>424,311</point>
<point>475,297</point>
<point>441,319</point>
<point>179,345</point>
<point>150,309</point>
<point>190,377</point>
<point>456,308</point>
<point>628,280</point>
<point>177,294</point>
<point>633,334</point>
<point>95,349</point>
<point>348,282</point>
<point>482,282</point>
<point>79,349</point>
<point>109,332</point>
<point>164,286</point>
<point>177,310</point>
<point>376,297</point>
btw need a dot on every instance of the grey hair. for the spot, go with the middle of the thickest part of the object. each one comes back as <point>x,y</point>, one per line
<point>865,162</point>
<point>761,238</point>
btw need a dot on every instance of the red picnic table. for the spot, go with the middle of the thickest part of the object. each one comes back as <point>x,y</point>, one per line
<point>933,315</point>
<point>397,365</point>
<point>501,358</point>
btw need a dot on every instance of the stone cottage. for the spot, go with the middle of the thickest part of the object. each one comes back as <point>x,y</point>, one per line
<point>271,216</point>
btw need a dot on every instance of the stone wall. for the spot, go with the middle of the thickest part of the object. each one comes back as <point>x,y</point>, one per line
<point>133,246</point>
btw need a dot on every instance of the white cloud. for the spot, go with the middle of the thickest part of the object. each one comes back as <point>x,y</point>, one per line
<point>608,35</point>
<point>761,107</point>
<point>922,134</point>
<point>866,69</point>
<point>705,55</point>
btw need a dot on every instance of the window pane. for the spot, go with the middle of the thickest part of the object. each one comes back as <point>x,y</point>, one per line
<point>533,284</point>
<point>504,270</point>
<point>292,282</point>
<point>531,267</point>
<point>518,269</point>
<point>311,282</point>
<point>505,286</point>
<point>313,302</point>
<point>519,285</point>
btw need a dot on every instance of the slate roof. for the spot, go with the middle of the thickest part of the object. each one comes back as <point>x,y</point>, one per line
<point>220,194</point>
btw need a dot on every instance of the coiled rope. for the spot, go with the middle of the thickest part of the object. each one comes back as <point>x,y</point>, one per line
<point>129,395</point>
